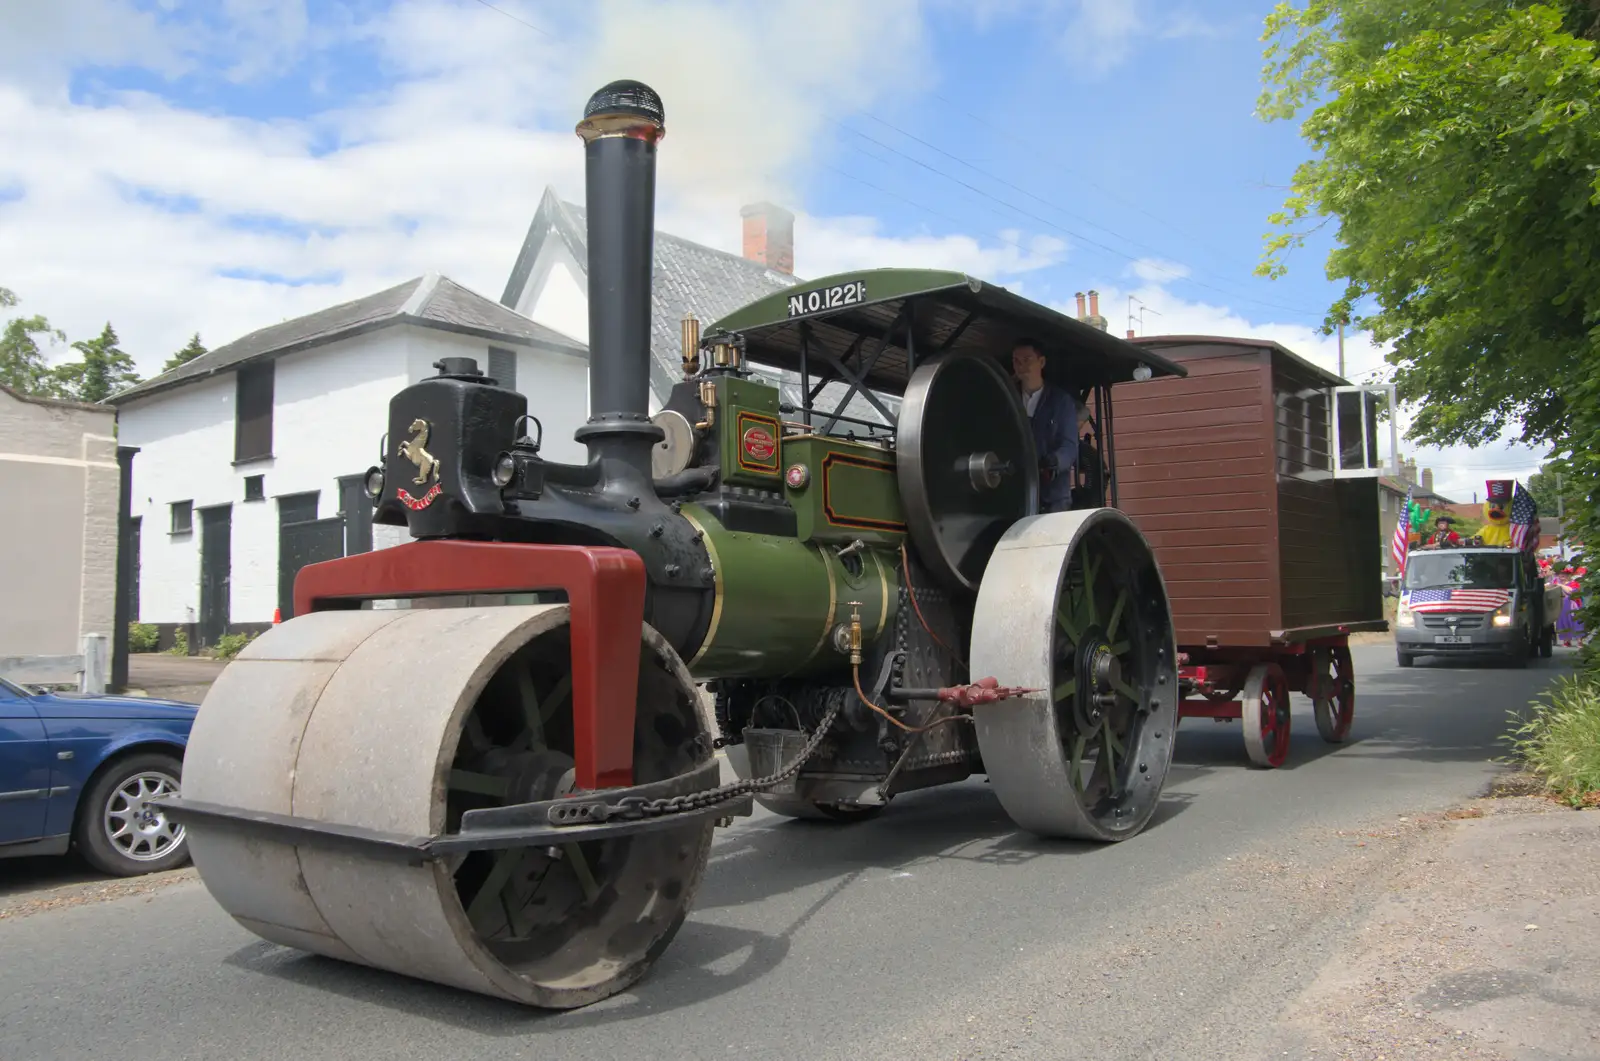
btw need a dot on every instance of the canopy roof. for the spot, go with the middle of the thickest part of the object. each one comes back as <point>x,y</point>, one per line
<point>844,319</point>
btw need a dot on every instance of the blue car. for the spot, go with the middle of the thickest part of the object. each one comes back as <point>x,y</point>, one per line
<point>79,770</point>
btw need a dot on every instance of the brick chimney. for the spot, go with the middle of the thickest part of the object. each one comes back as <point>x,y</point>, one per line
<point>769,236</point>
<point>1094,317</point>
<point>1081,313</point>
<point>1427,479</point>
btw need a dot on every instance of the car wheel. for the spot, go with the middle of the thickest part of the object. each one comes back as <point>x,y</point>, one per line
<point>1404,659</point>
<point>1547,642</point>
<point>118,831</point>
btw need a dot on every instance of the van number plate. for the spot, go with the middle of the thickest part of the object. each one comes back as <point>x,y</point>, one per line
<point>1452,639</point>
<point>828,298</point>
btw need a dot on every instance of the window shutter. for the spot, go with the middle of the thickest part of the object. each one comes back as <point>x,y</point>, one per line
<point>252,438</point>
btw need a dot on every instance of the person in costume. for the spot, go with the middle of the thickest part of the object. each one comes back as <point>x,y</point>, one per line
<point>1443,535</point>
<point>1497,514</point>
<point>1568,628</point>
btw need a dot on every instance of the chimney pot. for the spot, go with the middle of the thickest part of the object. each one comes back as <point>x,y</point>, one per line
<point>1081,312</point>
<point>1427,479</point>
<point>769,236</point>
<point>1094,303</point>
<point>1130,333</point>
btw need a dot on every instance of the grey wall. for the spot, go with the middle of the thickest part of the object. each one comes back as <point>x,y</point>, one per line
<point>58,548</point>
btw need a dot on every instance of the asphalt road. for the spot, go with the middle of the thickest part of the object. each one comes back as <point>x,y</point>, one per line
<point>935,931</point>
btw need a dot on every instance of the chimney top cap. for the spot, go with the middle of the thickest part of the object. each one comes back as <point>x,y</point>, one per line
<point>633,98</point>
<point>764,207</point>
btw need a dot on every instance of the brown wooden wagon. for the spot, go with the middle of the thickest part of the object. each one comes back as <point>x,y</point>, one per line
<point>1254,480</point>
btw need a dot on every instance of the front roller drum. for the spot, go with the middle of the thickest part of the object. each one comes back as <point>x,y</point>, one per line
<point>1073,604</point>
<point>400,721</point>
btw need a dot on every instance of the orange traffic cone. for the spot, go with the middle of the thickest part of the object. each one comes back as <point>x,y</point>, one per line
<point>277,615</point>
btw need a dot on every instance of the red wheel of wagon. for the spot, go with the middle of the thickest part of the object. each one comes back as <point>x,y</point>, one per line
<point>1333,691</point>
<point>1266,715</point>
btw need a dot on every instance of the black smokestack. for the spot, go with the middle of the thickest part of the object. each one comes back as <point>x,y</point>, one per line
<point>621,126</point>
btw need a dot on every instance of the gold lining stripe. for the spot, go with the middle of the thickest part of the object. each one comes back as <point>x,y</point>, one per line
<point>883,596</point>
<point>833,604</point>
<point>716,583</point>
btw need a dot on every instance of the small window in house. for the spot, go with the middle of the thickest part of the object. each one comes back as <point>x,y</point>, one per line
<point>503,367</point>
<point>255,488</point>
<point>182,517</point>
<point>252,433</point>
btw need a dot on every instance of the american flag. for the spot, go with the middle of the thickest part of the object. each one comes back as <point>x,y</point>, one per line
<point>1524,520</point>
<point>1426,601</point>
<point>1402,534</point>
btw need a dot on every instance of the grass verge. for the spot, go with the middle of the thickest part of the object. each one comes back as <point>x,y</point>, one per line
<point>1559,740</point>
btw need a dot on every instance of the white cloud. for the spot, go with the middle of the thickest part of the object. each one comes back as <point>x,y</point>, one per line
<point>130,206</point>
<point>1102,34</point>
<point>1157,270</point>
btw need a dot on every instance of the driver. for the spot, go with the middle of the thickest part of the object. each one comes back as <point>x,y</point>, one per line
<point>1054,416</point>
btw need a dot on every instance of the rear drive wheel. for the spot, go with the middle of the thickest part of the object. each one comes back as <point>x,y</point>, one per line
<point>118,830</point>
<point>1073,605</point>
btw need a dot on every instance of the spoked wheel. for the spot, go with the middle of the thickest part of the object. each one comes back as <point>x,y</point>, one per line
<point>401,721</point>
<point>1072,604</point>
<point>1266,715</point>
<point>1334,692</point>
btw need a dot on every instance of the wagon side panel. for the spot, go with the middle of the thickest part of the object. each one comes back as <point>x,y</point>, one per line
<point>1194,462</point>
<point>1330,555</point>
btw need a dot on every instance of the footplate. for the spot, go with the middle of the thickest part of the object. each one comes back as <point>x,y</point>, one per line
<point>578,818</point>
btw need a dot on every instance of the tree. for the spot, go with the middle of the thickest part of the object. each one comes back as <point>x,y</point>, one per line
<point>1455,143</point>
<point>22,362</point>
<point>1542,485</point>
<point>104,370</point>
<point>1455,139</point>
<point>186,355</point>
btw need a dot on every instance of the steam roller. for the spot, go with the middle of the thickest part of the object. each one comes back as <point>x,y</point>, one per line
<point>487,757</point>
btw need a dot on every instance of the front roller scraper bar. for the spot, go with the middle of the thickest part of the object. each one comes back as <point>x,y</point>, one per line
<point>574,819</point>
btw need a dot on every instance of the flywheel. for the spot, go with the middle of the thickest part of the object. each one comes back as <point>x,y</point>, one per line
<point>1072,604</point>
<point>400,721</point>
<point>965,464</point>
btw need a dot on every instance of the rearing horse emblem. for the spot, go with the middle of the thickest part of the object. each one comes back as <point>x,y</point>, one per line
<point>412,449</point>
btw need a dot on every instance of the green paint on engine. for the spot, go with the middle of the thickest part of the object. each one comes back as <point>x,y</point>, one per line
<point>749,430</point>
<point>779,601</point>
<point>850,491</point>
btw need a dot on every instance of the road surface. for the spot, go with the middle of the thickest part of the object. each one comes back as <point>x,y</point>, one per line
<point>935,931</point>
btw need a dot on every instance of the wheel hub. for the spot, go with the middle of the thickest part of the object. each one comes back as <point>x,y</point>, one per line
<point>1099,672</point>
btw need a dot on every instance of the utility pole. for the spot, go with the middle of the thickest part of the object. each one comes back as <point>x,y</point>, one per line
<point>1341,348</point>
<point>1561,519</point>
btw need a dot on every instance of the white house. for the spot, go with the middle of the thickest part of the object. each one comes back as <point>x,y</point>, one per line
<point>251,456</point>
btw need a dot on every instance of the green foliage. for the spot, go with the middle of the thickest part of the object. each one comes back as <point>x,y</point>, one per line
<point>1542,485</point>
<point>180,644</point>
<point>193,350</point>
<point>104,370</point>
<point>1455,143</point>
<point>143,637</point>
<point>1560,739</point>
<point>230,645</point>
<point>23,366</point>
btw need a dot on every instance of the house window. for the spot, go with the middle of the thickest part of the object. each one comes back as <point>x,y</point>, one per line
<point>503,367</point>
<point>297,508</point>
<point>252,437</point>
<point>182,517</point>
<point>255,488</point>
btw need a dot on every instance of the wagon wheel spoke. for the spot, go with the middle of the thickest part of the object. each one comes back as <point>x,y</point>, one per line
<point>1075,765</point>
<point>580,868</point>
<point>1066,689</point>
<point>1116,618</point>
<point>1065,622</point>
<point>1108,750</point>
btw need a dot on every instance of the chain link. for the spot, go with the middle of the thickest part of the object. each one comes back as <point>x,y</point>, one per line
<point>639,807</point>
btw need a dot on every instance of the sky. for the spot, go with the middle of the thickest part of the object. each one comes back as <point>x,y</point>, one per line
<point>175,167</point>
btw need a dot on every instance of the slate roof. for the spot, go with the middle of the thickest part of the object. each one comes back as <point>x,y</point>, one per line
<point>687,277</point>
<point>430,301</point>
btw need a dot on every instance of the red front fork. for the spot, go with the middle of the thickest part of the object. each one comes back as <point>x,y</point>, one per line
<point>605,590</point>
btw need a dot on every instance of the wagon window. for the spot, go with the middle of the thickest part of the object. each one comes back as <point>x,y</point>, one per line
<point>1359,416</point>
